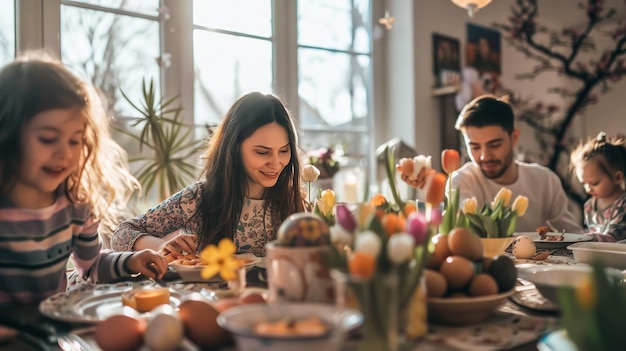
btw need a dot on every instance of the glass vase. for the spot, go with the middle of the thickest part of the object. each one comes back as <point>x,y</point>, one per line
<point>377,299</point>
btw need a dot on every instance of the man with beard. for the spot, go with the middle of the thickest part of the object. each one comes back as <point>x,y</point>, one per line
<point>487,125</point>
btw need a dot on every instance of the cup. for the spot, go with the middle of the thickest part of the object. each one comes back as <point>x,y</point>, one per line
<point>298,274</point>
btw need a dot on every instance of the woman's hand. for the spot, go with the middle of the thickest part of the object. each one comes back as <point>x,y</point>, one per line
<point>147,262</point>
<point>179,244</point>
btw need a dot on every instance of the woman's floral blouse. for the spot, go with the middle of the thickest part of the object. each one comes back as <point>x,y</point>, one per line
<point>607,224</point>
<point>177,212</point>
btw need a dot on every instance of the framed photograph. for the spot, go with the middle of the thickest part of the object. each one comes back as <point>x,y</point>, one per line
<point>446,60</point>
<point>483,50</point>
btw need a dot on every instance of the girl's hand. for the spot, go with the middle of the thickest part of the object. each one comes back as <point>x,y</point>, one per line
<point>147,262</point>
<point>179,245</point>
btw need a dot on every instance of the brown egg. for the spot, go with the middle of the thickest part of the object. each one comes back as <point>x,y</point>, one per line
<point>440,253</point>
<point>222,305</point>
<point>483,284</point>
<point>463,242</point>
<point>199,319</point>
<point>120,333</point>
<point>436,284</point>
<point>251,297</point>
<point>458,271</point>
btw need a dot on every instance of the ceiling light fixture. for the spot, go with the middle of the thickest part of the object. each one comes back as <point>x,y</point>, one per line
<point>472,6</point>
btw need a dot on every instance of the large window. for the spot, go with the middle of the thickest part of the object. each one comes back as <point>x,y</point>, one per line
<point>232,53</point>
<point>314,54</point>
<point>115,44</point>
<point>7,31</point>
<point>334,85</point>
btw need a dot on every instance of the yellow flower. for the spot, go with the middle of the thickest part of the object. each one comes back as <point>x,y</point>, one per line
<point>326,203</point>
<point>505,195</point>
<point>520,205</point>
<point>469,205</point>
<point>221,259</point>
<point>310,173</point>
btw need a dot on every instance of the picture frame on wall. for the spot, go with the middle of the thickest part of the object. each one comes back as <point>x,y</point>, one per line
<point>446,60</point>
<point>483,49</point>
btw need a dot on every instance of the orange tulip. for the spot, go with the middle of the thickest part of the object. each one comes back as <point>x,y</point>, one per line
<point>378,200</point>
<point>393,223</point>
<point>450,160</point>
<point>436,191</point>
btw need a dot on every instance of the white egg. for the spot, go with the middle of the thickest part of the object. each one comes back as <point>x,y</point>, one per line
<point>164,332</point>
<point>524,247</point>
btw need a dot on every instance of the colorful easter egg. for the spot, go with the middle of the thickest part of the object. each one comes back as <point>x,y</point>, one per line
<point>303,229</point>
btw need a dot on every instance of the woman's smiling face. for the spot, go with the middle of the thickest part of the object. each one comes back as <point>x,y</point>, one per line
<point>265,154</point>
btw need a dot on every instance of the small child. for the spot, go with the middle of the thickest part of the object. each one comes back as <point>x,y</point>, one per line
<point>600,165</point>
<point>60,171</point>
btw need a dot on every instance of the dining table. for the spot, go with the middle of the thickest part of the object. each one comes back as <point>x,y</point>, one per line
<point>518,325</point>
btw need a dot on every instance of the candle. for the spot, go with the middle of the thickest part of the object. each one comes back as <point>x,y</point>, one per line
<point>350,192</point>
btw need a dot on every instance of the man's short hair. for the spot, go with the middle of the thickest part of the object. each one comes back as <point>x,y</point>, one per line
<point>487,110</point>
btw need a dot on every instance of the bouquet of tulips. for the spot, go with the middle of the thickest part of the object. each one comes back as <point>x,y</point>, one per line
<point>385,246</point>
<point>495,220</point>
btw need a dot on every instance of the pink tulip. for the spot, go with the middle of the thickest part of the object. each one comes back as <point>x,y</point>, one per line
<point>345,217</point>
<point>416,226</point>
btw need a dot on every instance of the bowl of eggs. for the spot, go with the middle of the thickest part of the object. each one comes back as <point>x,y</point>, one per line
<point>289,326</point>
<point>463,285</point>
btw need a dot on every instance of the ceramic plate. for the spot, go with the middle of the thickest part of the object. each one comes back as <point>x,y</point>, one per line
<point>94,303</point>
<point>568,239</point>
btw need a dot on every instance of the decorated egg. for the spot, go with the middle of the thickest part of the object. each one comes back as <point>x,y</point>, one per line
<point>303,229</point>
<point>524,247</point>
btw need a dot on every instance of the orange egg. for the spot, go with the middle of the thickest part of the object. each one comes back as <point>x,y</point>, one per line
<point>251,297</point>
<point>222,305</point>
<point>436,284</point>
<point>440,253</point>
<point>200,320</point>
<point>483,284</point>
<point>463,242</point>
<point>120,333</point>
<point>458,271</point>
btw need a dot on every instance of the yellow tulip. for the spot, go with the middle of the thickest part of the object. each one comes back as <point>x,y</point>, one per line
<point>505,195</point>
<point>469,205</point>
<point>310,173</point>
<point>327,202</point>
<point>520,205</point>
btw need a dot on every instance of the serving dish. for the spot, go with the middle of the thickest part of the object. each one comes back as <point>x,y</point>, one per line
<point>241,320</point>
<point>465,310</point>
<point>610,254</point>
<point>94,303</point>
<point>568,239</point>
<point>548,279</point>
<point>192,273</point>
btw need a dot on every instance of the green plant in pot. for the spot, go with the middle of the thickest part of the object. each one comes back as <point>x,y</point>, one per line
<point>169,165</point>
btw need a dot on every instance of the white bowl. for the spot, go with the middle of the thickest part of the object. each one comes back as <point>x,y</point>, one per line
<point>548,279</point>
<point>240,321</point>
<point>610,254</point>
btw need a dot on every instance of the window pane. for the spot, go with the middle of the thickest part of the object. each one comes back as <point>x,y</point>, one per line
<point>339,96</point>
<point>148,7</point>
<point>330,24</point>
<point>242,65</point>
<point>7,31</point>
<point>114,52</point>
<point>243,16</point>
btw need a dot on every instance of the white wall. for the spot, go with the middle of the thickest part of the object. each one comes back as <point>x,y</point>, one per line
<point>412,113</point>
